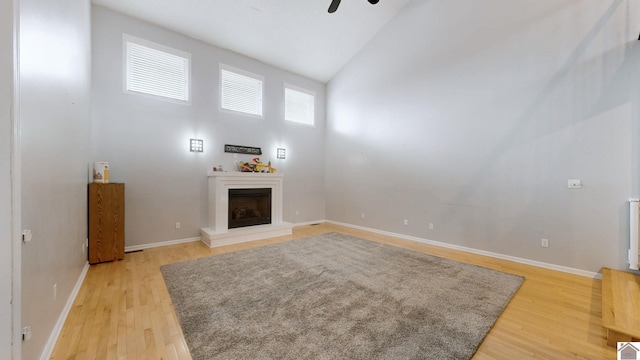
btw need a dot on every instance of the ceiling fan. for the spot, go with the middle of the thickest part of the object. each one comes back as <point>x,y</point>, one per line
<point>335,3</point>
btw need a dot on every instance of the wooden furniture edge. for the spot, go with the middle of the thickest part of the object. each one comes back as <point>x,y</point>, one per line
<point>615,333</point>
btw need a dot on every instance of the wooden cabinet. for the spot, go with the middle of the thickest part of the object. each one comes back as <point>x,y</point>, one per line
<point>106,222</point>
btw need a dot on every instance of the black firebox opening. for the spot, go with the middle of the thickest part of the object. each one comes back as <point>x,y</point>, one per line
<point>248,207</point>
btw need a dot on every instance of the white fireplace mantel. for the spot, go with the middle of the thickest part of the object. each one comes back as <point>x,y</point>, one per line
<point>218,232</point>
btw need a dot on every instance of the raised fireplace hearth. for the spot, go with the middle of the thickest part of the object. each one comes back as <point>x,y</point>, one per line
<point>244,207</point>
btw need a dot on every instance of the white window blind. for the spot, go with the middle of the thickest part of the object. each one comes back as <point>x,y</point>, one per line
<point>240,91</point>
<point>299,105</point>
<point>150,70</point>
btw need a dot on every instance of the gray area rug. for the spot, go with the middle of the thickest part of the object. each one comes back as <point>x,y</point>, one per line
<point>334,296</point>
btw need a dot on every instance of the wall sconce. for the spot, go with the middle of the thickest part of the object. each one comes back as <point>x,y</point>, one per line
<point>282,153</point>
<point>197,145</point>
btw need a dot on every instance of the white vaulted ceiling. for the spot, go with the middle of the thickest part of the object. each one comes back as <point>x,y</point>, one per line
<point>295,35</point>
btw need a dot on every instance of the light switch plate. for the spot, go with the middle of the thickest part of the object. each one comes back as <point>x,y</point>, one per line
<point>575,184</point>
<point>26,236</point>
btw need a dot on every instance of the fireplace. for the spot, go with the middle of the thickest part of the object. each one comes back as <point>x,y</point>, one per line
<point>257,217</point>
<point>249,207</point>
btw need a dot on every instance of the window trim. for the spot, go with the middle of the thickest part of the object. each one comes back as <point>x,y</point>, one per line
<point>300,90</point>
<point>126,38</point>
<point>246,73</point>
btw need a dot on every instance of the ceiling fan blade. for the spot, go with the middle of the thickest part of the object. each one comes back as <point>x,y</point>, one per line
<point>334,6</point>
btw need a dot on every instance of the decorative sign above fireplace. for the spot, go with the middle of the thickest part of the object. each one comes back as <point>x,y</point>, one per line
<point>237,149</point>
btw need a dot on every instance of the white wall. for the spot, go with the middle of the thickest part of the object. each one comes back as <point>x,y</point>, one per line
<point>54,119</point>
<point>473,115</point>
<point>145,139</point>
<point>6,218</point>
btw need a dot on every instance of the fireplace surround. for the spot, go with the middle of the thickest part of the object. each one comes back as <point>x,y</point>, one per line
<point>220,184</point>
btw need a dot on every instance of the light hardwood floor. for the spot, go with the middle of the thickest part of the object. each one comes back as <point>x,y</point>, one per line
<point>123,310</point>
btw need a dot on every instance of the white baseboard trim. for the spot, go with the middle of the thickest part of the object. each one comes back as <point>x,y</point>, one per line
<point>163,243</point>
<point>57,329</point>
<point>520,260</point>
<point>306,223</point>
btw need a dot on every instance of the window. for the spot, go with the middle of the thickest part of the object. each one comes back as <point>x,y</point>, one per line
<point>157,70</point>
<point>298,105</point>
<point>240,91</point>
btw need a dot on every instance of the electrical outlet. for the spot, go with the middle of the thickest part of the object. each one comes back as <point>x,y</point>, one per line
<point>26,236</point>
<point>362,215</point>
<point>544,243</point>
<point>297,212</point>
<point>430,226</point>
<point>406,222</point>
<point>55,291</point>
<point>177,225</point>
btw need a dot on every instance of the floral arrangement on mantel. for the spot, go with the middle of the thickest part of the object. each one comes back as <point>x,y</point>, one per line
<point>256,166</point>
